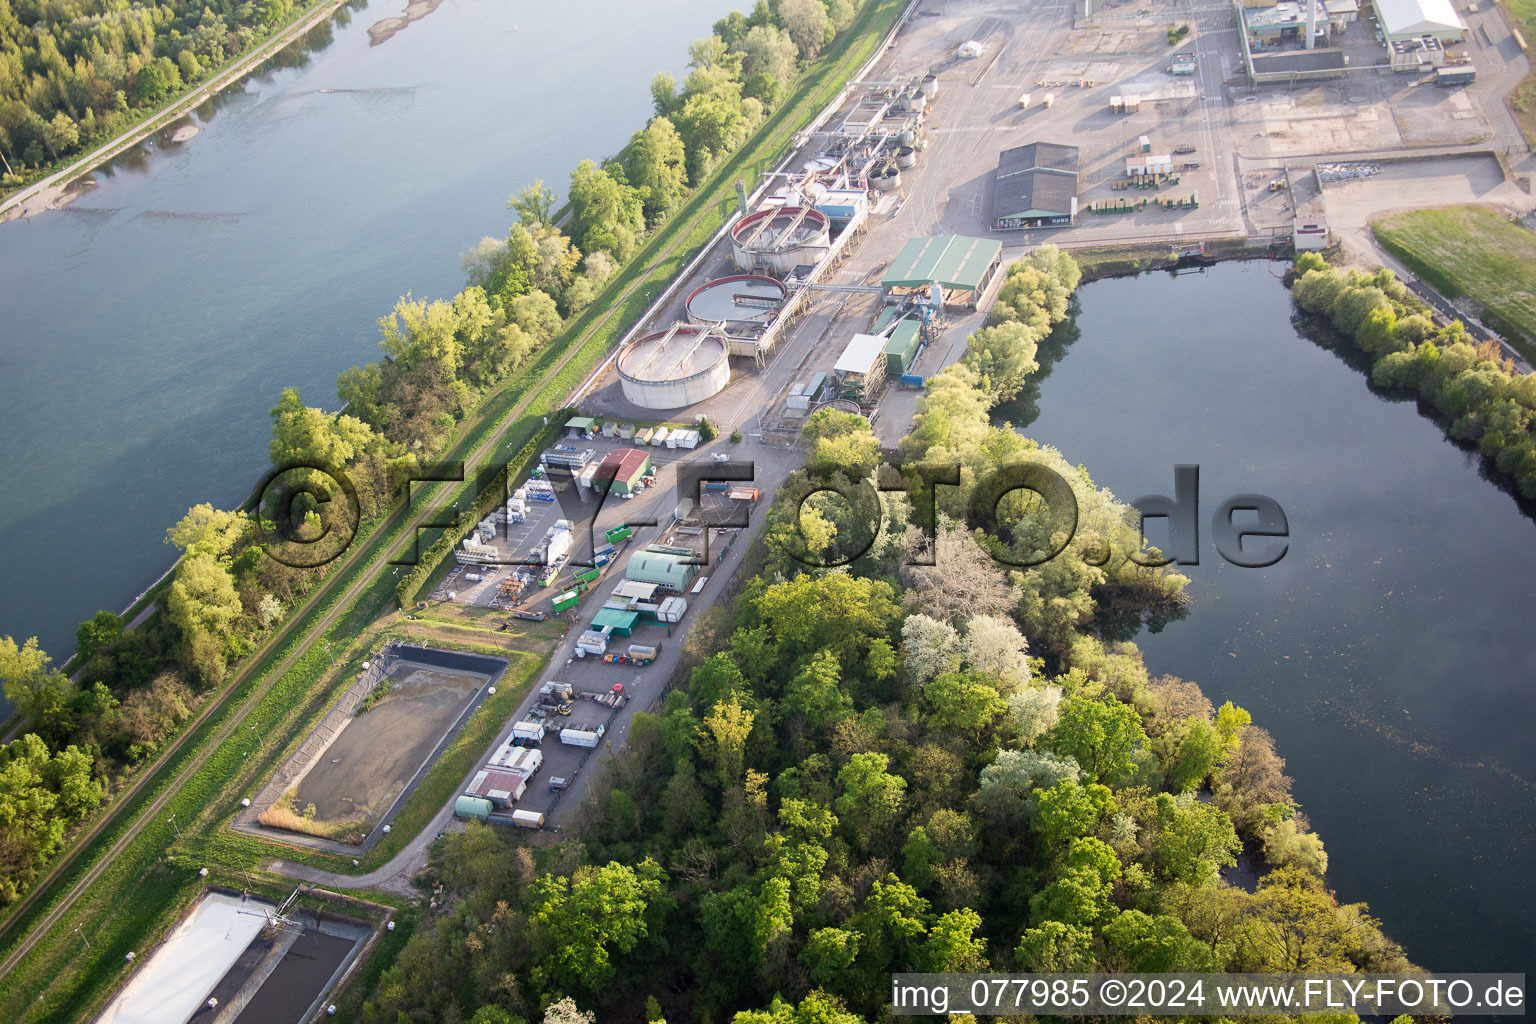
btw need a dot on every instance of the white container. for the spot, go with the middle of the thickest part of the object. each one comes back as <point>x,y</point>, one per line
<point>528,819</point>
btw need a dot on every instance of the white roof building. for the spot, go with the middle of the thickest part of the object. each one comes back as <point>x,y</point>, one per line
<point>1411,19</point>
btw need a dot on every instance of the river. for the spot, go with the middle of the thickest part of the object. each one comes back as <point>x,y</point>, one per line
<point>149,327</point>
<point>1389,650</point>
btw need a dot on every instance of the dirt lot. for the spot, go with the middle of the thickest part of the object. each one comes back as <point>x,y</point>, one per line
<point>378,752</point>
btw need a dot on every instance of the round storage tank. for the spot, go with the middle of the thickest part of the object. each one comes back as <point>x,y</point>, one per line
<point>780,238</point>
<point>739,299</point>
<point>675,368</point>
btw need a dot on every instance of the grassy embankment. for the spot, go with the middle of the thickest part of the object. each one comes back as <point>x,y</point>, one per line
<point>1467,251</point>
<point>134,898</point>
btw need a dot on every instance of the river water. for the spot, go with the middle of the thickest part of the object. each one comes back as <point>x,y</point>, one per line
<point>148,328</point>
<point>1389,650</point>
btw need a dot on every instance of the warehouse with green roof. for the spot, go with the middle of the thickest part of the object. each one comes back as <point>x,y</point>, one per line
<point>668,571</point>
<point>962,266</point>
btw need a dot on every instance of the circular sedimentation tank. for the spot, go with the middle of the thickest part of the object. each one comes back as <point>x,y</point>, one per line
<point>780,238</point>
<point>740,298</point>
<point>906,156</point>
<point>886,178</point>
<point>674,368</point>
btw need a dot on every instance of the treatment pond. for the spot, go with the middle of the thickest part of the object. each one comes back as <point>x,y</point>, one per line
<point>1389,651</point>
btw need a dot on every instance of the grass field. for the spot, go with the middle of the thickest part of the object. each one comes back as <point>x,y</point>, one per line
<point>1472,252</point>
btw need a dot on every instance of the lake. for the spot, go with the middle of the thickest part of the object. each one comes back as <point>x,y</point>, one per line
<point>1388,651</point>
<point>150,326</point>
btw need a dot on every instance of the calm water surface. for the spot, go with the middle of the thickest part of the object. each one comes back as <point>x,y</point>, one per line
<point>1390,651</point>
<point>146,330</point>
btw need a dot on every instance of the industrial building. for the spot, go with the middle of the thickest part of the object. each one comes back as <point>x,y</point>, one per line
<point>615,621</point>
<point>1402,20</point>
<point>954,262</point>
<point>667,571</point>
<point>684,364</point>
<point>860,371</point>
<point>626,467</point>
<point>1035,185</point>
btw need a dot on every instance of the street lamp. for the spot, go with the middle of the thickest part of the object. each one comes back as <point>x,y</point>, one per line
<point>173,826</point>
<point>82,936</point>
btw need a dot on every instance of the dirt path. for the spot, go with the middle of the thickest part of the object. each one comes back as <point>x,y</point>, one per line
<point>54,191</point>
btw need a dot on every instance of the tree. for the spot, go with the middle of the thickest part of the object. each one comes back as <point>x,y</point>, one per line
<point>1033,711</point>
<point>1193,841</point>
<point>664,94</point>
<point>101,630</point>
<point>816,692</point>
<point>952,945</point>
<point>770,52</point>
<point>39,691</point>
<point>605,213</point>
<point>964,701</point>
<point>828,953</point>
<point>1292,926</point>
<point>806,22</point>
<point>1054,946</point>
<point>727,728</point>
<point>656,164</point>
<point>1099,735</point>
<point>1200,750</point>
<point>580,922</point>
<point>565,1011</point>
<point>534,204</point>
<point>1003,357</point>
<point>995,648</point>
<point>1068,811</point>
<point>1007,785</point>
<point>710,127</point>
<point>1158,944</point>
<point>871,798</point>
<point>1287,845</point>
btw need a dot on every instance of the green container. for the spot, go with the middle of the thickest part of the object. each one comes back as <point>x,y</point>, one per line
<point>619,533</point>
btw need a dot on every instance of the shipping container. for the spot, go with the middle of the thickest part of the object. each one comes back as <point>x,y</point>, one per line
<point>660,437</point>
<point>528,730</point>
<point>902,347</point>
<point>475,807</point>
<point>528,819</point>
<point>618,533</point>
<point>565,601</point>
<point>672,609</point>
<point>588,575</point>
<point>583,735</point>
<point>641,654</point>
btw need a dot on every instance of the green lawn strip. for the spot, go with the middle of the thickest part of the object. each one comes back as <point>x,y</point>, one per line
<point>1472,252</point>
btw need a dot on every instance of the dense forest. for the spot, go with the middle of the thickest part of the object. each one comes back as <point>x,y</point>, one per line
<point>440,360</point>
<point>73,73</point>
<point>888,765</point>
<point>1484,399</point>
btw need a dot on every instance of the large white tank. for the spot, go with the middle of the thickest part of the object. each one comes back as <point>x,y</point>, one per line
<point>675,368</point>
<point>780,238</point>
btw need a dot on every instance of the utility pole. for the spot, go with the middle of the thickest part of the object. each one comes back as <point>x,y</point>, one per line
<point>82,936</point>
<point>173,826</point>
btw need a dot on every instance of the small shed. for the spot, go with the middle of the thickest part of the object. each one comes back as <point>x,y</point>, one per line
<point>634,590</point>
<point>580,426</point>
<point>617,622</point>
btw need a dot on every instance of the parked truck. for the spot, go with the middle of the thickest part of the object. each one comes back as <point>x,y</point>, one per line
<point>528,732</point>
<point>583,735</point>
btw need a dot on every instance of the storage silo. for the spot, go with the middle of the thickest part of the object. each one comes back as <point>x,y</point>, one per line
<point>674,368</point>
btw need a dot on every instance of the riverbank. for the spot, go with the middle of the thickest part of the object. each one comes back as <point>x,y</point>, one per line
<point>384,29</point>
<point>55,191</point>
